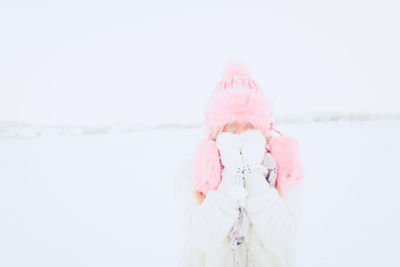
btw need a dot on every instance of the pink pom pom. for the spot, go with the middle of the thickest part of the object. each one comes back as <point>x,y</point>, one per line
<point>237,68</point>
<point>207,167</point>
<point>290,171</point>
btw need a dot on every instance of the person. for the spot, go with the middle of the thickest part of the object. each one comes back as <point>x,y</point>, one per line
<point>241,195</point>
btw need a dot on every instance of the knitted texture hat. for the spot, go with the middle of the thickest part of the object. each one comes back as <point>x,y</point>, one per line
<point>237,98</point>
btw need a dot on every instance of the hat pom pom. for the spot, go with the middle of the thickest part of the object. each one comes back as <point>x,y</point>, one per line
<point>237,68</point>
<point>286,152</point>
<point>207,167</point>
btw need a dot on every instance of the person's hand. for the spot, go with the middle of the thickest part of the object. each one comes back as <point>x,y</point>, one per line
<point>229,145</point>
<point>253,149</point>
<point>253,153</point>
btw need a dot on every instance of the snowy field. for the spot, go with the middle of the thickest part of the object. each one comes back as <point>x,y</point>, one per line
<point>108,200</point>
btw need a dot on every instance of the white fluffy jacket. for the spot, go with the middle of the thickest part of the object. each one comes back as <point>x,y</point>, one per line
<point>274,224</point>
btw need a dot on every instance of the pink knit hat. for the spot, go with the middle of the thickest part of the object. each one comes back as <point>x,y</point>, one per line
<point>238,98</point>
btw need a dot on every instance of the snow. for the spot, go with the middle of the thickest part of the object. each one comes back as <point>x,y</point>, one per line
<point>108,200</point>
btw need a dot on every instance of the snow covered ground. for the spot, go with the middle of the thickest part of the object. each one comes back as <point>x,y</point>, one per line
<point>108,200</point>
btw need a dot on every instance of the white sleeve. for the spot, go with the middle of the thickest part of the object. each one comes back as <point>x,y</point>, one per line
<point>275,217</point>
<point>207,224</point>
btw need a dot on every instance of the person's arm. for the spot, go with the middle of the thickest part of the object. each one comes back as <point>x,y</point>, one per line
<point>209,223</point>
<point>275,217</point>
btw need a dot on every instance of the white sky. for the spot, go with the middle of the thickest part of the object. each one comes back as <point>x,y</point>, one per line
<point>78,62</point>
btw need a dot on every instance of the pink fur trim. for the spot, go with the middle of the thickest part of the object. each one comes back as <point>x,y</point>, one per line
<point>241,106</point>
<point>286,152</point>
<point>207,167</point>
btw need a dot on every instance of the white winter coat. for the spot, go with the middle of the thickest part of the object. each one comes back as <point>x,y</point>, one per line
<point>274,225</point>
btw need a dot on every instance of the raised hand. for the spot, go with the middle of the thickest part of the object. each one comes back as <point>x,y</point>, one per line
<point>229,145</point>
<point>253,149</point>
